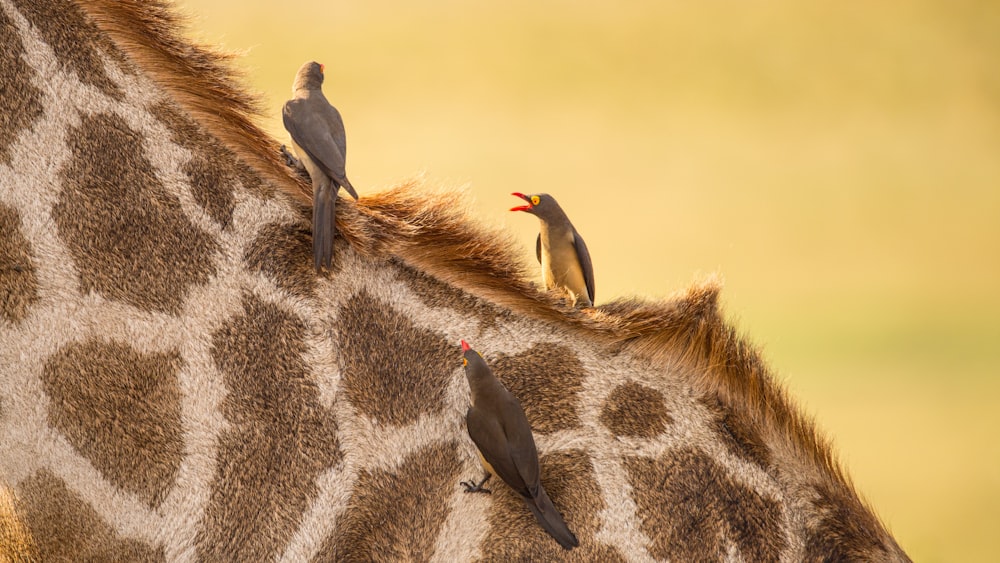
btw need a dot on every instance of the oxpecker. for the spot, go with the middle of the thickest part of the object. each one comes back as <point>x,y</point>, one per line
<point>502,435</point>
<point>560,249</point>
<point>318,139</point>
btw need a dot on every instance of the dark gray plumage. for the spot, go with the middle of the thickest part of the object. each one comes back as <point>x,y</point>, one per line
<point>501,432</point>
<point>319,141</point>
<point>560,249</point>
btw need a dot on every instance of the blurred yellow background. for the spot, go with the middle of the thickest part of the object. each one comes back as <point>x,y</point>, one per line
<point>838,163</point>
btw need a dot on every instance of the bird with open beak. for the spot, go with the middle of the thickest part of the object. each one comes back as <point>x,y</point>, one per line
<point>320,143</point>
<point>501,433</point>
<point>560,249</point>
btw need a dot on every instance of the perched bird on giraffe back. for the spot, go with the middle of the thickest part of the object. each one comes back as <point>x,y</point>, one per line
<point>560,250</point>
<point>502,435</point>
<point>320,143</point>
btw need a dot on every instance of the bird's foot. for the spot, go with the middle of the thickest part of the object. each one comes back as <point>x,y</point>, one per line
<point>473,487</point>
<point>294,163</point>
<point>290,160</point>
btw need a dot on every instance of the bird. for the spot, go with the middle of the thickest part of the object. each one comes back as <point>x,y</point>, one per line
<point>560,249</point>
<point>318,139</point>
<point>502,435</point>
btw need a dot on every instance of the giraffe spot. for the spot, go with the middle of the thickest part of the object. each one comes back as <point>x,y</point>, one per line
<point>437,294</point>
<point>75,39</point>
<point>20,100</point>
<point>635,410</point>
<point>514,533</point>
<point>688,507</point>
<point>396,515</point>
<point>736,432</point>
<point>846,531</point>
<point>279,439</point>
<point>18,282</point>
<point>393,371</point>
<point>66,528</point>
<point>121,410</point>
<point>546,379</point>
<point>129,237</point>
<point>212,172</point>
<point>283,253</point>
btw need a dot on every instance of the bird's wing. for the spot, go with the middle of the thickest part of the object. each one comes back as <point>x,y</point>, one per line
<point>538,248</point>
<point>325,147</point>
<point>585,264</point>
<point>521,445</point>
<point>488,435</point>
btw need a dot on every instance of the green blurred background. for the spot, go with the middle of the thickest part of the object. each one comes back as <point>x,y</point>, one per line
<point>837,162</point>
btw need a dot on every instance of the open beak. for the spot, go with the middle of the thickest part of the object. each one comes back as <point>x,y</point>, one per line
<point>465,346</point>
<point>522,207</point>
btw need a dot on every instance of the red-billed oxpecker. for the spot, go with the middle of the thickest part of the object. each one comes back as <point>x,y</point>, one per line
<point>560,250</point>
<point>502,435</point>
<point>318,138</point>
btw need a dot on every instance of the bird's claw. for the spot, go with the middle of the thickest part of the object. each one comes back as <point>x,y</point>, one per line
<point>294,163</point>
<point>473,487</point>
<point>289,159</point>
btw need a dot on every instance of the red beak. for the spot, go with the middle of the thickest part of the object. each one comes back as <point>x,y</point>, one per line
<point>321,67</point>
<point>521,207</point>
<point>465,346</point>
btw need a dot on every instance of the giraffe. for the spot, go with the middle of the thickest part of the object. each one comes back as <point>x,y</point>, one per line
<point>176,383</point>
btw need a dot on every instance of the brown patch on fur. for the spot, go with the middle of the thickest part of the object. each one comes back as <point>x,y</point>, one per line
<point>396,515</point>
<point>20,100</point>
<point>739,435</point>
<point>74,39</point>
<point>635,410</point>
<point>283,253</point>
<point>847,531</point>
<point>210,169</point>
<point>515,535</point>
<point>128,236</point>
<point>121,410</point>
<point>18,282</point>
<point>393,371</point>
<point>688,507</point>
<point>437,294</point>
<point>546,379</point>
<point>200,80</point>
<point>279,438</point>
<point>65,528</point>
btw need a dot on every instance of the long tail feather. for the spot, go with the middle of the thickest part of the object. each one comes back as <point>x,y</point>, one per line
<point>550,519</point>
<point>323,221</point>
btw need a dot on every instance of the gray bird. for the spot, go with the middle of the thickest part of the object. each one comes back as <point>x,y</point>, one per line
<point>501,432</point>
<point>318,140</point>
<point>560,249</point>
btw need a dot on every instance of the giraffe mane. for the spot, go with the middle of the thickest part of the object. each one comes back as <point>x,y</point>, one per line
<point>201,79</point>
<point>430,232</point>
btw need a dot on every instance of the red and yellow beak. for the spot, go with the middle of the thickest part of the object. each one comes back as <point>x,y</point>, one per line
<point>321,67</point>
<point>522,207</point>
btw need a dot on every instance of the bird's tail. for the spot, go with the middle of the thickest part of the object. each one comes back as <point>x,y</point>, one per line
<point>324,213</point>
<point>550,519</point>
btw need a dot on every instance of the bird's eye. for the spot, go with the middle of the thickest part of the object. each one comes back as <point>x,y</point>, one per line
<point>465,362</point>
<point>535,199</point>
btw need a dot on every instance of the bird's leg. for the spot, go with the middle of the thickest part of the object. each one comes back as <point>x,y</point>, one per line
<point>473,487</point>
<point>292,162</point>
